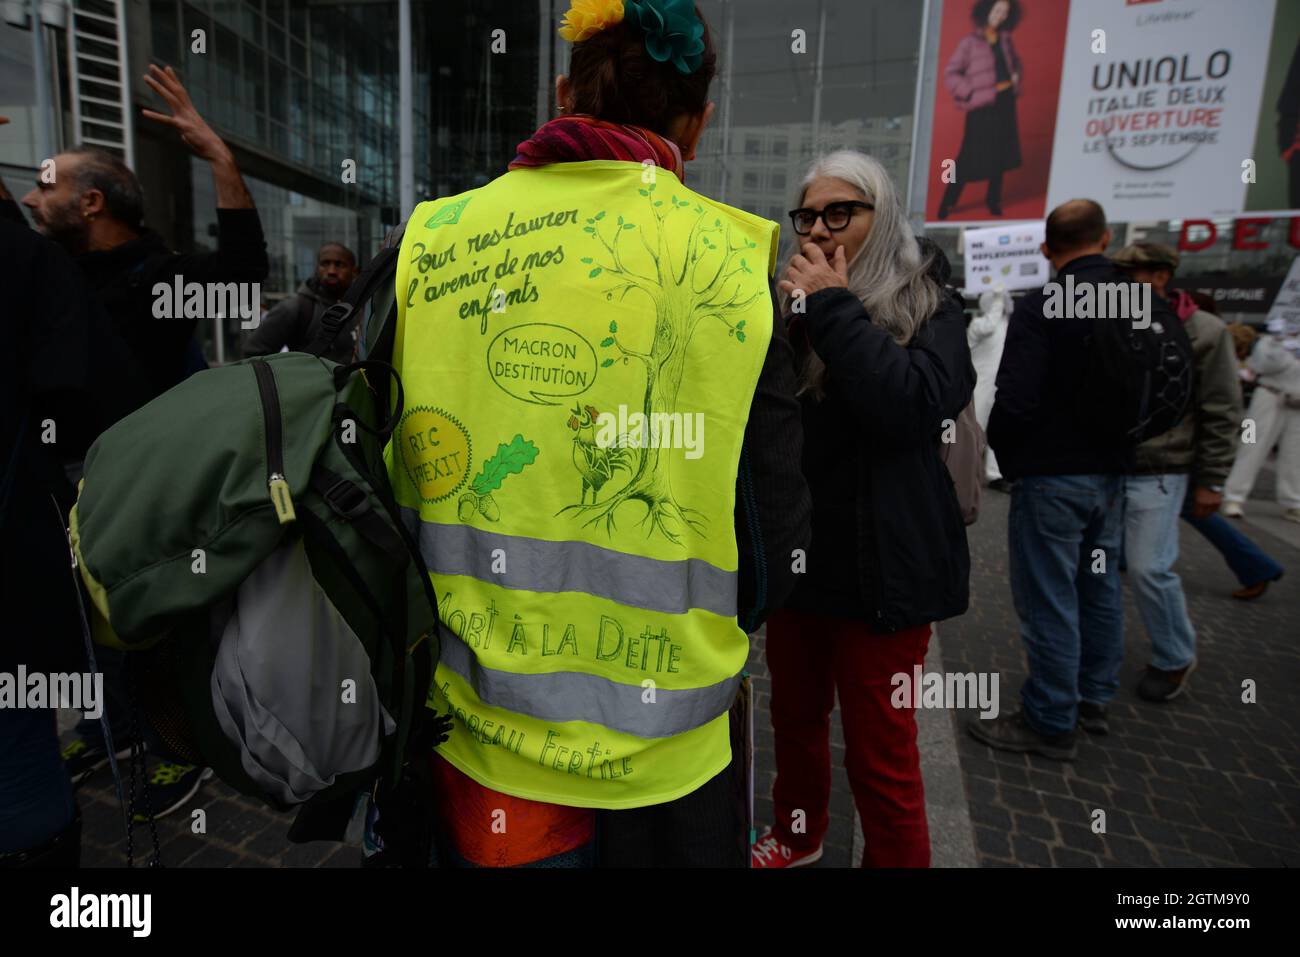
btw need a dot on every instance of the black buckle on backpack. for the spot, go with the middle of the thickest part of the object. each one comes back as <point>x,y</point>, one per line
<point>346,499</point>
<point>341,310</point>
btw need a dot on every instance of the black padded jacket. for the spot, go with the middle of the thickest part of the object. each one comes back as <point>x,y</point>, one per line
<point>902,527</point>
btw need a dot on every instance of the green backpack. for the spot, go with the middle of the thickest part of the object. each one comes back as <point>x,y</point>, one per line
<point>240,536</point>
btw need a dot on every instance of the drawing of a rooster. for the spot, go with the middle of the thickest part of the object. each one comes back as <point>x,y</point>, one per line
<point>596,464</point>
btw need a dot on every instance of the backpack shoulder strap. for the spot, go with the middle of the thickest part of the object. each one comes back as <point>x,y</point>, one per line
<point>306,308</point>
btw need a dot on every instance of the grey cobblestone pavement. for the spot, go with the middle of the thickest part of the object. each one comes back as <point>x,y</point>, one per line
<point>1203,780</point>
<point>240,833</point>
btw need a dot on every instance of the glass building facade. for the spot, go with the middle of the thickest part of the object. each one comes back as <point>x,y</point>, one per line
<point>18,140</point>
<point>797,80</point>
<point>311,85</point>
<point>312,91</point>
<point>303,90</point>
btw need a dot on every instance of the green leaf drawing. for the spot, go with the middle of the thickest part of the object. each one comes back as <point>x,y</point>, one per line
<point>644,192</point>
<point>509,460</point>
<point>594,273</point>
<point>601,214</point>
<point>606,342</point>
<point>588,229</point>
<point>587,260</point>
<point>627,226</point>
<point>740,336</point>
<point>447,214</point>
<point>607,363</point>
<point>741,324</point>
<point>620,220</point>
<point>613,326</point>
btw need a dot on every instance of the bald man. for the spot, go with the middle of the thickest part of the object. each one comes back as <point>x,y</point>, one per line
<point>1067,507</point>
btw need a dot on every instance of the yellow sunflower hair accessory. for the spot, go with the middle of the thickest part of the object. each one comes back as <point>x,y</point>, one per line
<point>586,18</point>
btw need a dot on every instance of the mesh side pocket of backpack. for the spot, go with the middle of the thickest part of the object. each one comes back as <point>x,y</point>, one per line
<point>160,700</point>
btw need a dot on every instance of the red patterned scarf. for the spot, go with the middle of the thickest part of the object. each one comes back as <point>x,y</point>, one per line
<point>578,137</point>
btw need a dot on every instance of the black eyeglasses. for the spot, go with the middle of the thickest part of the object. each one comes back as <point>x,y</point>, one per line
<point>836,216</point>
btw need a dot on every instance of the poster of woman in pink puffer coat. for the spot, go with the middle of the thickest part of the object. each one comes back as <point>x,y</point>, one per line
<point>995,109</point>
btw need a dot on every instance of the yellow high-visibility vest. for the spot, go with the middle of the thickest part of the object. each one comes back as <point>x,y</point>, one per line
<point>579,344</point>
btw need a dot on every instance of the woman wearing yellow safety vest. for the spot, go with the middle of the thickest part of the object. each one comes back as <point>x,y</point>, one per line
<point>600,456</point>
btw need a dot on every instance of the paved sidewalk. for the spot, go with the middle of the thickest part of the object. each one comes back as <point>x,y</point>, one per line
<point>1202,780</point>
<point>240,832</point>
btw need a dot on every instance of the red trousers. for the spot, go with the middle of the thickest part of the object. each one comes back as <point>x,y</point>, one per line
<point>809,657</point>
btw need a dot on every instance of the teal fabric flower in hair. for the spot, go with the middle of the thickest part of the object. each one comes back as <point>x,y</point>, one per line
<point>672,31</point>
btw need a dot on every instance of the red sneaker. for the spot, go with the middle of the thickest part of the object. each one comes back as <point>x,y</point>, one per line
<point>769,852</point>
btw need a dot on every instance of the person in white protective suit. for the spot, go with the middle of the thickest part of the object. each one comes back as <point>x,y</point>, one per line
<point>1275,409</point>
<point>985,336</point>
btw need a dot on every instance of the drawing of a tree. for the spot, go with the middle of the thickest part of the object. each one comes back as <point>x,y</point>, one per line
<point>707,280</point>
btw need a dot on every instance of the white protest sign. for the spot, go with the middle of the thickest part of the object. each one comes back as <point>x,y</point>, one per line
<point>1005,254</point>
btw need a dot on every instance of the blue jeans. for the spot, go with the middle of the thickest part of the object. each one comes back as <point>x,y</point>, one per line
<point>1064,536</point>
<point>1250,563</point>
<point>1152,506</point>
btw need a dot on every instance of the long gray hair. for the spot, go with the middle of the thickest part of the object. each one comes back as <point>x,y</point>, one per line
<point>889,274</point>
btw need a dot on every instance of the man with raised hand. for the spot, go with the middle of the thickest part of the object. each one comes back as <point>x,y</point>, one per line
<point>94,208</point>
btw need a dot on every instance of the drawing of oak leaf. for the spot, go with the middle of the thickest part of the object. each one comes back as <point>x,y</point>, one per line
<point>509,460</point>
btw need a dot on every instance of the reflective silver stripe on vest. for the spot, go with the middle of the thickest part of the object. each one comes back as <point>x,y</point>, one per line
<point>573,696</point>
<point>532,564</point>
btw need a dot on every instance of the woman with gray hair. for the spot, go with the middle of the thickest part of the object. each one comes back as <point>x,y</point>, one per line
<point>885,371</point>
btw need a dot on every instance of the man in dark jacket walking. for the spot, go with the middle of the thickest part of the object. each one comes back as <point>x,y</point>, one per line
<point>1067,507</point>
<point>294,322</point>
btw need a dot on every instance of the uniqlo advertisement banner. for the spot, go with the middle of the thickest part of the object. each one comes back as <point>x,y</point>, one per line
<point>1150,107</point>
<point>1158,125</point>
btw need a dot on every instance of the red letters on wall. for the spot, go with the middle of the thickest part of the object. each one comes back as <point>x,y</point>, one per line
<point>1244,233</point>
